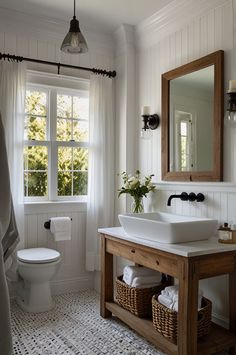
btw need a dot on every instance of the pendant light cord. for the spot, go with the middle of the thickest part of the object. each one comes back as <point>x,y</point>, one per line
<point>74,8</point>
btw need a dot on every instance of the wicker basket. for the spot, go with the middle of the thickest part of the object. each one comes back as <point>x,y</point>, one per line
<point>136,300</point>
<point>165,319</point>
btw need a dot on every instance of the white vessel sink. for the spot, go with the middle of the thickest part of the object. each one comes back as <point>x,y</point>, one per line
<point>167,227</point>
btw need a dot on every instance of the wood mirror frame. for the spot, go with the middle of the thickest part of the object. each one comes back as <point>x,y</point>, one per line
<point>216,59</point>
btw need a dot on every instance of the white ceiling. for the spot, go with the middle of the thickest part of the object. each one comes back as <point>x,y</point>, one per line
<point>102,15</point>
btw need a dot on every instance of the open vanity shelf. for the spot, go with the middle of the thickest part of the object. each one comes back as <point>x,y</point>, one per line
<point>189,264</point>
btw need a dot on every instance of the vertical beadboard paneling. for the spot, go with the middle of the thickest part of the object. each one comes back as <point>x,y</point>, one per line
<point>202,35</point>
<point>10,43</point>
<point>210,31</point>
<point>42,232</point>
<point>184,45</point>
<point>218,28</point>
<point>32,231</point>
<point>2,42</point>
<point>72,251</point>
<point>33,48</point>
<point>22,46</point>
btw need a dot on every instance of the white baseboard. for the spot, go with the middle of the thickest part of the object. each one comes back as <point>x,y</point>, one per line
<point>63,286</point>
<point>220,320</point>
<point>97,281</point>
<point>72,285</point>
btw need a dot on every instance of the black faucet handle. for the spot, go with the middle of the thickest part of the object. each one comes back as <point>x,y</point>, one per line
<point>200,197</point>
<point>192,196</point>
<point>184,196</point>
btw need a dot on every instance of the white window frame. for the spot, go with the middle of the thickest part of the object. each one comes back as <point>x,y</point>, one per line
<point>51,129</point>
<point>190,120</point>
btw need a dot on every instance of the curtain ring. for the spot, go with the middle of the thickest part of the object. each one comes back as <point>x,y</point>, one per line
<point>58,68</point>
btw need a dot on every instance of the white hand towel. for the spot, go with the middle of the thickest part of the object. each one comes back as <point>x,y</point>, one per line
<point>166,301</point>
<point>176,303</point>
<point>145,280</point>
<point>131,271</point>
<point>60,227</point>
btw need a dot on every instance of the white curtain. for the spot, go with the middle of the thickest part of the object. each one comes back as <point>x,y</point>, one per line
<point>100,206</point>
<point>12,95</point>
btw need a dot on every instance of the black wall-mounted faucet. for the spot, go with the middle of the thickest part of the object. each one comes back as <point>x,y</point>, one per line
<point>184,196</point>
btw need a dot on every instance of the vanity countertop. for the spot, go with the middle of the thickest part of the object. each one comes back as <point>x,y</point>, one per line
<point>202,247</point>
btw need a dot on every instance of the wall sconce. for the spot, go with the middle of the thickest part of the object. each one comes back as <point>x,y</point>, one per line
<point>230,115</point>
<point>150,122</point>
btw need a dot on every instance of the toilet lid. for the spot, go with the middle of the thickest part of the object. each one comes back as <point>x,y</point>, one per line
<point>38,255</point>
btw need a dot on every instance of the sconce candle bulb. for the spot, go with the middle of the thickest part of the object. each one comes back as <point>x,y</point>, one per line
<point>232,86</point>
<point>146,111</point>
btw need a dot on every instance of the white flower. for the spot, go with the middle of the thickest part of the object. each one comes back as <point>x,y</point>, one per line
<point>134,183</point>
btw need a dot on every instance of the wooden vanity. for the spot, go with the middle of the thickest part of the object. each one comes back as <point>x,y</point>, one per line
<point>189,263</point>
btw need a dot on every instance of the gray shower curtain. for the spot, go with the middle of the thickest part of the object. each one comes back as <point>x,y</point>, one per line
<point>8,241</point>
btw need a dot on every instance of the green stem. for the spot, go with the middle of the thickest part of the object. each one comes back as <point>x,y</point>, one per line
<point>137,206</point>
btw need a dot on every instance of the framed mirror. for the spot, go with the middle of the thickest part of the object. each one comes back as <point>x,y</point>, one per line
<point>192,117</point>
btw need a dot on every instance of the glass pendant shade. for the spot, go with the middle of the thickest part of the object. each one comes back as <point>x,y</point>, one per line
<point>74,42</point>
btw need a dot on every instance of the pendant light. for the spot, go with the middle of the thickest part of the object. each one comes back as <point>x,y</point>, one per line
<point>74,42</point>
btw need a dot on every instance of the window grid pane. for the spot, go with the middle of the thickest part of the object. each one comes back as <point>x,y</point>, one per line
<point>70,125</point>
<point>35,126</point>
<point>72,171</point>
<point>35,171</point>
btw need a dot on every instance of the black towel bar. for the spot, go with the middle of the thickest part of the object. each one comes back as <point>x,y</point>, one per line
<point>47,224</point>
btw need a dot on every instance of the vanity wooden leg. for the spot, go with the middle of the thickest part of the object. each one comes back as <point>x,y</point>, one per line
<point>188,305</point>
<point>232,303</point>
<point>232,307</point>
<point>106,279</point>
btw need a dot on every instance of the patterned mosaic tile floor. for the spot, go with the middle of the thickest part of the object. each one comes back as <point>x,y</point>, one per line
<point>75,327</point>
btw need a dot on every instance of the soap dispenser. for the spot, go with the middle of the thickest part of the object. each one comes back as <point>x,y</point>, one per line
<point>225,234</point>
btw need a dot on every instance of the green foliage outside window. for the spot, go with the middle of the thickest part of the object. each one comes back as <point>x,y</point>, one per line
<point>72,162</point>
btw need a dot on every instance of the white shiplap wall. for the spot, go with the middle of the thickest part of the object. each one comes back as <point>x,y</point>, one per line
<point>205,33</point>
<point>40,38</point>
<point>172,38</point>
<point>72,274</point>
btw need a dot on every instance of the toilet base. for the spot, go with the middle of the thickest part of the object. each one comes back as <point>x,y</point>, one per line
<point>35,298</point>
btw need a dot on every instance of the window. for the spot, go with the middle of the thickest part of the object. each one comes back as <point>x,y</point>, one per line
<point>185,140</point>
<point>56,143</point>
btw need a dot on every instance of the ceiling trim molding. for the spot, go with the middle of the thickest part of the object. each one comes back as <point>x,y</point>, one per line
<point>171,18</point>
<point>48,29</point>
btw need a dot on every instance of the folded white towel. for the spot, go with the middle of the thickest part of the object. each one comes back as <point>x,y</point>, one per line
<point>60,227</point>
<point>170,291</point>
<point>176,302</point>
<point>170,296</point>
<point>131,271</point>
<point>166,301</point>
<point>146,280</point>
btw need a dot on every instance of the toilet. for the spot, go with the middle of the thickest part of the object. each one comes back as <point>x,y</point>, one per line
<point>36,267</point>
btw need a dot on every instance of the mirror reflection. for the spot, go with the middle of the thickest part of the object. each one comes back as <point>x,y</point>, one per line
<point>191,109</point>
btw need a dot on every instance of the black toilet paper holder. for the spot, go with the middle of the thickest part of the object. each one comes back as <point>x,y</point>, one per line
<point>48,223</point>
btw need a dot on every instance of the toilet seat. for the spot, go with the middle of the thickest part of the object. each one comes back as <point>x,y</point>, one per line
<point>38,255</point>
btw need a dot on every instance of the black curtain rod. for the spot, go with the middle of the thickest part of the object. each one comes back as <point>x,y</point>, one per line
<point>9,57</point>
